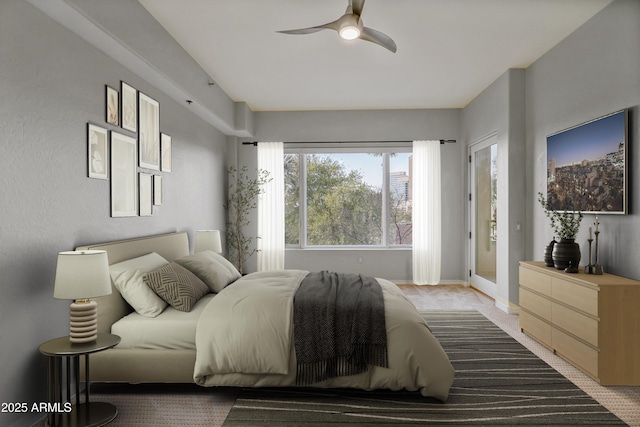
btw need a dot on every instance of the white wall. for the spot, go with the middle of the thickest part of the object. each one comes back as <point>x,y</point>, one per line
<point>593,72</point>
<point>52,83</point>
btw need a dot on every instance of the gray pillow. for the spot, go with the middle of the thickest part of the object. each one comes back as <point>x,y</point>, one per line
<point>212,268</point>
<point>176,285</point>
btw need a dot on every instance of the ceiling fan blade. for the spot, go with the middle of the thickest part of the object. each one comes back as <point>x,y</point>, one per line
<point>329,26</point>
<point>357,6</point>
<point>301,31</point>
<point>375,36</point>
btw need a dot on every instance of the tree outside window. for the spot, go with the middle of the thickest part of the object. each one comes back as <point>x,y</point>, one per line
<point>337,199</point>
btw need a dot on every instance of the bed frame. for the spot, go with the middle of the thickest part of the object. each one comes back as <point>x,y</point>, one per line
<point>433,377</point>
<point>138,365</point>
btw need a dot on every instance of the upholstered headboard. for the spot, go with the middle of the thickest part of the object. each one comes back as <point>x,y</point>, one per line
<point>170,246</point>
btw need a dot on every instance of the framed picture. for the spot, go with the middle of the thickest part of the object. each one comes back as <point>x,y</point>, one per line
<point>165,150</point>
<point>113,106</point>
<point>146,194</point>
<point>124,177</point>
<point>157,190</point>
<point>97,144</point>
<point>587,166</point>
<point>129,110</point>
<point>148,132</point>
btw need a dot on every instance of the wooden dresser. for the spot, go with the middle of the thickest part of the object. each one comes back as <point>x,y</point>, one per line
<point>591,321</point>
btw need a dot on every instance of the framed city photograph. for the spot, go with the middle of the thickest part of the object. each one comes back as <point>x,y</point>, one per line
<point>124,176</point>
<point>587,166</point>
<point>97,148</point>
<point>113,106</point>
<point>148,132</point>
<point>165,150</point>
<point>129,107</point>
<point>146,194</point>
<point>157,190</point>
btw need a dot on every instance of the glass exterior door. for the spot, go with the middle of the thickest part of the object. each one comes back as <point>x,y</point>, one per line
<point>484,198</point>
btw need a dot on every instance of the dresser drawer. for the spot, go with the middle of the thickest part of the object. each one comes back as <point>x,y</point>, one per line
<point>594,322</point>
<point>580,297</point>
<point>576,323</point>
<point>535,327</point>
<point>535,280</point>
<point>576,352</point>
<point>535,303</point>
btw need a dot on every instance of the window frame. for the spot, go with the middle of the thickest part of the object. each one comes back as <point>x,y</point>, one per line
<point>384,148</point>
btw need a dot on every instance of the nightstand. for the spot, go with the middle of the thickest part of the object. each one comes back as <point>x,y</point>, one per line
<point>81,414</point>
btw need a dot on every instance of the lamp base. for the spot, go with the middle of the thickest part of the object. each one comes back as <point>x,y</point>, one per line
<point>83,321</point>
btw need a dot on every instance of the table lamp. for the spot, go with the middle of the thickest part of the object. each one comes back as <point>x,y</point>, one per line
<point>208,240</point>
<point>81,275</point>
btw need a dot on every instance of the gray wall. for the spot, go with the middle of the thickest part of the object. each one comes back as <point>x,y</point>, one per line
<point>378,125</point>
<point>52,83</point>
<point>499,111</point>
<point>593,72</point>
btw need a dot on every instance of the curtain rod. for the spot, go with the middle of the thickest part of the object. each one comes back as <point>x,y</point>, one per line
<point>255,143</point>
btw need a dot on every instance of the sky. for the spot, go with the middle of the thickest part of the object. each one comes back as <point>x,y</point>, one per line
<point>589,141</point>
<point>371,166</point>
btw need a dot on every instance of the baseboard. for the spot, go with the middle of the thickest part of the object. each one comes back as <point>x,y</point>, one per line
<point>442,282</point>
<point>507,307</point>
<point>454,282</point>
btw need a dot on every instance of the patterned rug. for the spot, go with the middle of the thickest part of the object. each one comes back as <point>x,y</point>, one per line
<point>498,382</point>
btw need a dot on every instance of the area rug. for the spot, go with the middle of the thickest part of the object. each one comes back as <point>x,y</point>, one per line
<point>498,382</point>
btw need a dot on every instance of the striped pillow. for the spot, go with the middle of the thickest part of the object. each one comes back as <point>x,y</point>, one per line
<point>179,287</point>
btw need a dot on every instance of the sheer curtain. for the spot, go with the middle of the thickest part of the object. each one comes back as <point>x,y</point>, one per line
<point>426,212</point>
<point>271,208</point>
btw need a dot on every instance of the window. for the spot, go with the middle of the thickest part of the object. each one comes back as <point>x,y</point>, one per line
<point>400,195</point>
<point>345,197</point>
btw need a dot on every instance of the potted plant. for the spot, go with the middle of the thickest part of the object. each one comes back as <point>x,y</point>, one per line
<point>242,199</point>
<point>565,225</point>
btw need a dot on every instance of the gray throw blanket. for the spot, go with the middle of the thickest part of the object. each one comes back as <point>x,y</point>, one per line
<point>339,326</point>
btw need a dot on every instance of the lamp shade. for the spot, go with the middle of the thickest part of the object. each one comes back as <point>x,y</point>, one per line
<point>208,240</point>
<point>82,274</point>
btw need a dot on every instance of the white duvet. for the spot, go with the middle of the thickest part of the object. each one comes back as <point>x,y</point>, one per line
<point>244,338</point>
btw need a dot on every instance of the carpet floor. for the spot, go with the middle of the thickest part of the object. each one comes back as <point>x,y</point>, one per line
<point>498,382</point>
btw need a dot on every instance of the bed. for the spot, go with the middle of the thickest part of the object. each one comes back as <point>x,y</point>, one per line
<point>194,353</point>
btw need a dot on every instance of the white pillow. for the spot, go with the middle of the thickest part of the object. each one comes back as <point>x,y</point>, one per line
<point>213,269</point>
<point>127,277</point>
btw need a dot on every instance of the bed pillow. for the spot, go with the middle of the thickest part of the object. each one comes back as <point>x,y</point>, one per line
<point>179,287</point>
<point>212,268</point>
<point>127,277</point>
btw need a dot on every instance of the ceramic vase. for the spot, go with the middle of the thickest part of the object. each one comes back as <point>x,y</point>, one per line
<point>566,253</point>
<point>548,254</point>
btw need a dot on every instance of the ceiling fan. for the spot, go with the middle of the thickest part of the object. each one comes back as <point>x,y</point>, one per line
<point>350,26</point>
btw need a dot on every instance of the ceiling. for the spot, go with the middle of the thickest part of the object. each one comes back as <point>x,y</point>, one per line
<point>449,51</point>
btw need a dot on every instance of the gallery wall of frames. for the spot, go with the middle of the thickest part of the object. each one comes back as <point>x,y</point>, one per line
<point>135,156</point>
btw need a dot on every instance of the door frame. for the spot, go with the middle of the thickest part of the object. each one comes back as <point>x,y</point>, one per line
<point>483,285</point>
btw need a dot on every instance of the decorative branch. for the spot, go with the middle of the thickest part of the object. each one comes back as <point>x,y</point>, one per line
<point>242,199</point>
<point>565,224</point>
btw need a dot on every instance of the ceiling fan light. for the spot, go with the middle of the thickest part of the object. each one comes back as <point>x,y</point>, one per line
<point>349,32</point>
